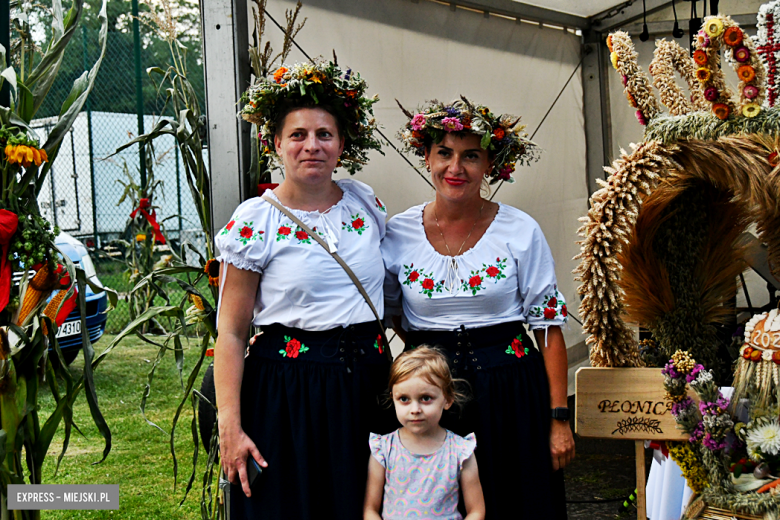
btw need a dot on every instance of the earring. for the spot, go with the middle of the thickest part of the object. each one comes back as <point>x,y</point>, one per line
<point>428,167</point>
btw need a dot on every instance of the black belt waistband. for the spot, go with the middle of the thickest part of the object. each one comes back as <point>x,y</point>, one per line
<point>479,337</point>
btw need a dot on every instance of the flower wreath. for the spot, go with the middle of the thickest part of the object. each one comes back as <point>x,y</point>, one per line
<point>315,84</point>
<point>500,134</point>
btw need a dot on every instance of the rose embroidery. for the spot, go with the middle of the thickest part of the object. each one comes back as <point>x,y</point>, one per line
<point>474,283</point>
<point>357,224</point>
<point>380,205</point>
<point>428,284</point>
<point>228,227</point>
<point>302,236</point>
<point>516,347</point>
<point>283,233</point>
<point>496,271</point>
<point>378,344</point>
<point>552,307</point>
<point>293,348</point>
<point>247,233</point>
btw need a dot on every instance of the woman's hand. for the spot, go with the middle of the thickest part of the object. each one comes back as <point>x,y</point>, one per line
<point>561,444</point>
<point>235,448</point>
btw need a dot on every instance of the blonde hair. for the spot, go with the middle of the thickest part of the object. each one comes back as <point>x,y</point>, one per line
<point>430,364</point>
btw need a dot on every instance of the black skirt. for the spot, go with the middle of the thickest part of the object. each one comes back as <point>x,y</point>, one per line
<point>510,415</point>
<point>309,401</point>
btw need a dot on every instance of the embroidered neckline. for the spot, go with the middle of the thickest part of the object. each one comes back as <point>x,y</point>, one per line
<point>430,247</point>
<point>314,214</point>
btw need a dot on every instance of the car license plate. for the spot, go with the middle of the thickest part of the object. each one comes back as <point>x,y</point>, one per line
<point>69,328</point>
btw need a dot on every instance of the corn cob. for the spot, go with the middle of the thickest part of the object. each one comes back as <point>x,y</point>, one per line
<point>52,307</point>
<point>39,288</point>
<point>197,301</point>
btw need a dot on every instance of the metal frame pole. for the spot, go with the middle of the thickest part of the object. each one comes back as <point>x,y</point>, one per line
<point>598,123</point>
<point>91,148</point>
<point>5,41</point>
<point>139,93</point>
<point>225,32</point>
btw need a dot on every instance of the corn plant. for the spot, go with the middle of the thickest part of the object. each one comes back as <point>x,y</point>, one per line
<point>28,320</point>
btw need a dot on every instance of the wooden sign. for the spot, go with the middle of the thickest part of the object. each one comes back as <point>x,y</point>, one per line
<point>624,403</point>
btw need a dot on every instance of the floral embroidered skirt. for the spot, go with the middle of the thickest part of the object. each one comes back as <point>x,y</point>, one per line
<point>309,401</point>
<point>510,415</point>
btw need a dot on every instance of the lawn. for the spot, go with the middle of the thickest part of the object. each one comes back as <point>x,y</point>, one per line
<point>140,460</point>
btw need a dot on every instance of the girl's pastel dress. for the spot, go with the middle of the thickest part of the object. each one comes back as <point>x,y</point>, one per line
<point>421,486</point>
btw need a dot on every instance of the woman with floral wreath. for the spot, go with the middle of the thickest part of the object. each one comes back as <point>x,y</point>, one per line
<point>304,398</point>
<point>466,274</point>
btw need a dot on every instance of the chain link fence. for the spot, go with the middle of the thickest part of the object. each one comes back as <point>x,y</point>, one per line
<point>82,194</point>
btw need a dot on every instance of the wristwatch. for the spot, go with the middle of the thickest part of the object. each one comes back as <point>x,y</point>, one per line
<point>561,414</point>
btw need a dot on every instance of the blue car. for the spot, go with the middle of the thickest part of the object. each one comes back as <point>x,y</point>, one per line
<point>69,334</point>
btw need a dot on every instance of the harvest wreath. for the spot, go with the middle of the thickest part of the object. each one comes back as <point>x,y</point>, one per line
<point>661,249</point>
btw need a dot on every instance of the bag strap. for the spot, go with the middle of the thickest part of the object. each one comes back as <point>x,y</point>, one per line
<point>341,262</point>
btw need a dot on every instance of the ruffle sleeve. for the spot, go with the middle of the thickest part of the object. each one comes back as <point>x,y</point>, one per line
<point>368,200</point>
<point>377,445</point>
<point>543,304</point>
<point>243,240</point>
<point>401,231</point>
<point>466,446</point>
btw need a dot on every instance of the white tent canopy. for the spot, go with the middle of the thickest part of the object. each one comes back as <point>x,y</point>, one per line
<point>515,57</point>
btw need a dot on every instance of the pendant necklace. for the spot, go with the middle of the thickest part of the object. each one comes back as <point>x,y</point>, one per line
<point>452,280</point>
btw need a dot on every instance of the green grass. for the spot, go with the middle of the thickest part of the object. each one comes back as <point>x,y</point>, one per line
<point>140,460</point>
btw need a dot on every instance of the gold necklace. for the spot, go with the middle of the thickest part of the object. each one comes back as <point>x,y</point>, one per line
<point>452,281</point>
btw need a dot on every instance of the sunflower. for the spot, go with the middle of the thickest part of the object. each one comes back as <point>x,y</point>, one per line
<point>746,73</point>
<point>703,75</point>
<point>212,270</point>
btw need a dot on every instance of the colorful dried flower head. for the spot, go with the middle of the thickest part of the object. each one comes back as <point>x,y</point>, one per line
<point>613,57</point>
<point>500,135</point>
<point>641,118</point>
<point>702,39</point>
<point>751,109</point>
<point>750,92</point>
<point>746,73</point>
<point>609,43</point>
<point>733,36</point>
<point>320,84</point>
<point>721,110</point>
<point>741,54</point>
<point>700,57</point>
<point>713,27</point>
<point>703,74</point>
<point>711,94</point>
<point>631,100</point>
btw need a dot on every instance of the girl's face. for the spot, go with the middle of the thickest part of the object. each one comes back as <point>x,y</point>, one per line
<point>458,164</point>
<point>309,145</point>
<point>419,404</point>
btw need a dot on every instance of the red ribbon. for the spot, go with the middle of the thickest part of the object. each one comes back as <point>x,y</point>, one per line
<point>8,224</point>
<point>150,217</point>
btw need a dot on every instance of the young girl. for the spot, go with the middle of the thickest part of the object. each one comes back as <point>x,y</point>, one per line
<point>418,469</point>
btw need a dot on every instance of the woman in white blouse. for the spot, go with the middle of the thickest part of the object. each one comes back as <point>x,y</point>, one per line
<point>466,274</point>
<point>305,397</point>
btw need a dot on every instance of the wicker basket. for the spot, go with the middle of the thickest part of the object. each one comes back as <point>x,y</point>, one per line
<point>716,513</point>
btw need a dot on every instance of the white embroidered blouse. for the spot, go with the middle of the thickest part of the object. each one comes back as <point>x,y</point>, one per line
<point>508,275</point>
<point>301,284</point>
